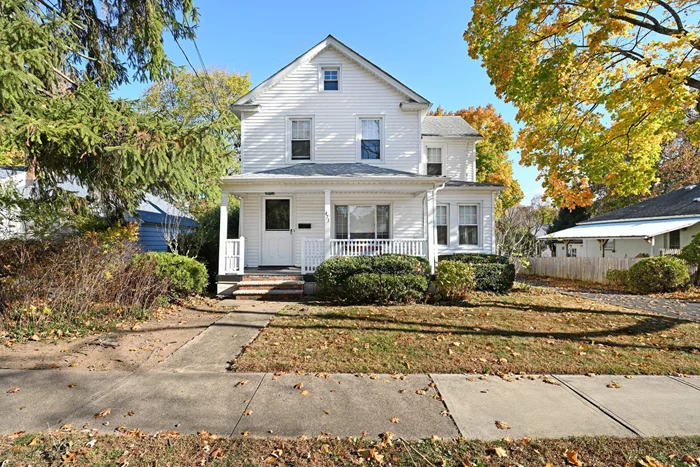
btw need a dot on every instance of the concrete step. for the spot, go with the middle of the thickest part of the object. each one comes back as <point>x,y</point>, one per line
<point>270,283</point>
<point>271,277</point>
<point>270,294</point>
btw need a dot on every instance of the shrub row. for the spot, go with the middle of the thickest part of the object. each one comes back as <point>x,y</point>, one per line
<point>384,289</point>
<point>652,275</point>
<point>332,275</point>
<point>492,273</point>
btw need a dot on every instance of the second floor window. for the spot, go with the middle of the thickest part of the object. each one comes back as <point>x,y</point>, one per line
<point>371,143</point>
<point>331,80</point>
<point>434,161</point>
<point>468,225</point>
<point>301,139</point>
<point>441,225</point>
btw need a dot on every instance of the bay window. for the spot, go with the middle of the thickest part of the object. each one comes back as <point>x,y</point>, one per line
<point>468,225</point>
<point>362,222</point>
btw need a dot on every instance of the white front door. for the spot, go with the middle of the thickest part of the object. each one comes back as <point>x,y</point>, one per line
<point>277,232</point>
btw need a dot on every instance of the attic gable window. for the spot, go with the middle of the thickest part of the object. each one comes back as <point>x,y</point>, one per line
<point>331,78</point>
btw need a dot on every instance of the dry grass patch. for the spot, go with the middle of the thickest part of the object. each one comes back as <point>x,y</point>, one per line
<point>531,331</point>
<point>141,449</point>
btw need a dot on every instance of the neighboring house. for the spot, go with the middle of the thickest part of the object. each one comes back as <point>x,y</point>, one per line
<point>658,226</point>
<point>158,219</point>
<point>339,158</point>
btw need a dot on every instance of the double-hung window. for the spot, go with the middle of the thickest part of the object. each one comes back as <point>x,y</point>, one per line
<point>371,139</point>
<point>434,161</point>
<point>674,239</point>
<point>441,224</point>
<point>468,225</point>
<point>301,139</point>
<point>362,222</point>
<point>331,78</point>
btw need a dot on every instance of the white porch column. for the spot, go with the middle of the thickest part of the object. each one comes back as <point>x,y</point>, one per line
<point>327,224</point>
<point>653,246</point>
<point>223,232</point>
<point>430,201</point>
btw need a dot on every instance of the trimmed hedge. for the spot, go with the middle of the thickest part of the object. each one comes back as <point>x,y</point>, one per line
<point>186,275</point>
<point>454,280</point>
<point>658,274</point>
<point>333,274</point>
<point>617,276</point>
<point>492,273</point>
<point>384,289</point>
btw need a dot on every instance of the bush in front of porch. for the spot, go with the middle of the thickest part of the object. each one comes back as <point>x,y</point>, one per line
<point>384,278</point>
<point>492,273</point>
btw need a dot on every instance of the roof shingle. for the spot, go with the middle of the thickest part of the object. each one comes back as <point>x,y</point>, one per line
<point>333,170</point>
<point>447,126</point>
<point>675,203</point>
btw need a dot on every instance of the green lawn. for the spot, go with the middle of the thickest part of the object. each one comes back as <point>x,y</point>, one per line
<point>529,330</point>
<point>141,449</point>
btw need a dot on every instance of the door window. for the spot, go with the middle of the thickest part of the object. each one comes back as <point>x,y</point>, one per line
<point>277,214</point>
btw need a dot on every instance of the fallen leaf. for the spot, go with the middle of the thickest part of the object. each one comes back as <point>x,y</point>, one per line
<point>613,385</point>
<point>395,419</point>
<point>371,454</point>
<point>103,413</point>
<point>649,461</point>
<point>304,392</point>
<point>247,412</point>
<point>241,383</point>
<point>499,451</point>
<point>572,458</point>
<point>13,390</point>
<point>298,385</point>
<point>501,425</point>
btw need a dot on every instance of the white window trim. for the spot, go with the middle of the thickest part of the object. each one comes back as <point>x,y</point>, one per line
<point>479,226</point>
<point>446,245</point>
<point>382,139</point>
<point>321,66</point>
<point>443,152</point>
<point>288,139</point>
<point>378,203</point>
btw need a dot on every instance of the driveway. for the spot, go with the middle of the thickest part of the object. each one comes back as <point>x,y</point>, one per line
<point>669,307</point>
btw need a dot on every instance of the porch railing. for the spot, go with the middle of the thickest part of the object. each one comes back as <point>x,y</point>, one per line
<point>670,251</point>
<point>313,250</point>
<point>234,256</point>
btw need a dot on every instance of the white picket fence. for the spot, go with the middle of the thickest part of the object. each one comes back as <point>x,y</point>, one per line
<point>580,269</point>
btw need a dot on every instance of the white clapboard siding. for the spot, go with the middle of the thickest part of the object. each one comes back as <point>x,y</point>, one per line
<point>458,157</point>
<point>335,118</point>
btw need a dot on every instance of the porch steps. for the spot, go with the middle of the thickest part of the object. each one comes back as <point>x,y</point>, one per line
<point>269,287</point>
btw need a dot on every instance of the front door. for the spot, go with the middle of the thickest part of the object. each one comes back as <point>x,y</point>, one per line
<point>277,232</point>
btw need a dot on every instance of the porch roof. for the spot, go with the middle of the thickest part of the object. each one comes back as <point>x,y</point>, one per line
<point>340,173</point>
<point>634,229</point>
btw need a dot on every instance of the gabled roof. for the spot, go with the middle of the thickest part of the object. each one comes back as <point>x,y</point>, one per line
<point>449,126</point>
<point>352,169</point>
<point>680,203</point>
<point>330,41</point>
<point>622,229</point>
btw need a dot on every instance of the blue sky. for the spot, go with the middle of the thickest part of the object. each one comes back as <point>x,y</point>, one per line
<point>418,42</point>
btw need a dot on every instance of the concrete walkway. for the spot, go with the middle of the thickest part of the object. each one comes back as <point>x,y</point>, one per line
<point>292,405</point>
<point>214,348</point>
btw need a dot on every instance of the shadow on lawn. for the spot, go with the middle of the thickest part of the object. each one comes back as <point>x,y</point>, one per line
<point>649,324</point>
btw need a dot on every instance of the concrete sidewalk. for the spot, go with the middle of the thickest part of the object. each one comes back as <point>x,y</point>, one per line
<point>292,405</point>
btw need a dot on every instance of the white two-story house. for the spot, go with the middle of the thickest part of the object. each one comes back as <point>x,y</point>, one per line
<point>339,158</point>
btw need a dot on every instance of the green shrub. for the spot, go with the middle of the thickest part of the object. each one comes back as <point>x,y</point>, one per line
<point>454,280</point>
<point>186,275</point>
<point>492,273</point>
<point>617,276</point>
<point>476,258</point>
<point>691,254</point>
<point>384,289</point>
<point>332,275</point>
<point>658,274</point>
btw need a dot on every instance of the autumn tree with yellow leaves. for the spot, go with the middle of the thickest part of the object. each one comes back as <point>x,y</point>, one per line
<point>600,86</point>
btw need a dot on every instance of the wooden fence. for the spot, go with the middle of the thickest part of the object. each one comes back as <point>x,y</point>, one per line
<point>581,269</point>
